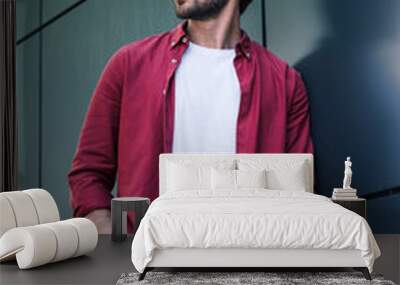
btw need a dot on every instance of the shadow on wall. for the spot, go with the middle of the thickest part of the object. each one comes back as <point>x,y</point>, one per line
<point>353,79</point>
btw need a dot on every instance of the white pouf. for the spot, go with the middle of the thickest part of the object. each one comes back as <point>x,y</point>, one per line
<point>40,244</point>
<point>30,230</point>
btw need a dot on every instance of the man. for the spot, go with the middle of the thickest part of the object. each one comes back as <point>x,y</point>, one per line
<point>202,87</point>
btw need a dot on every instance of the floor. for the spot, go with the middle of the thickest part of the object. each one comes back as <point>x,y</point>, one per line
<point>389,262</point>
<point>110,260</point>
<point>102,266</point>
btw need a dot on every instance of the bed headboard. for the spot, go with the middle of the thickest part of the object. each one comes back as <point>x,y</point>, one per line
<point>166,157</point>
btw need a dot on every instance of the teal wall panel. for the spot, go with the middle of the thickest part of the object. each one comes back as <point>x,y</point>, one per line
<point>349,59</point>
<point>27,93</point>
<point>28,16</point>
<point>294,28</point>
<point>53,7</point>
<point>251,21</point>
<point>75,50</point>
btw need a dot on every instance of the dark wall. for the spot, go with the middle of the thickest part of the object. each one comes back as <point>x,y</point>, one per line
<point>348,52</point>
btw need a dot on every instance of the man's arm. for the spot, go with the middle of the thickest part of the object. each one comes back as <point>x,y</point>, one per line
<point>102,219</point>
<point>94,167</point>
<point>298,125</point>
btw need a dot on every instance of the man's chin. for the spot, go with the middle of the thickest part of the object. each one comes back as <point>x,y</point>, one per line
<point>185,14</point>
<point>185,9</point>
<point>189,15</point>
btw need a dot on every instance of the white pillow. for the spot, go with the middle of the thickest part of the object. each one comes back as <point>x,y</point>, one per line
<point>182,177</point>
<point>193,174</point>
<point>281,174</point>
<point>236,179</point>
<point>223,179</point>
<point>251,178</point>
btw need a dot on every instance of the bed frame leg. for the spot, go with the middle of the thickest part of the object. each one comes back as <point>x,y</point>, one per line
<point>364,271</point>
<point>143,274</point>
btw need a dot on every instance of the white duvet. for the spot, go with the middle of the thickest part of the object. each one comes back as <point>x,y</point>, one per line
<point>251,218</point>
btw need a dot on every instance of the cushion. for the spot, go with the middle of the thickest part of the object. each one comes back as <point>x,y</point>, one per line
<point>251,178</point>
<point>46,207</point>
<point>281,174</point>
<point>7,218</point>
<point>26,208</point>
<point>66,237</point>
<point>237,179</point>
<point>193,174</point>
<point>23,208</point>
<point>223,179</point>
<point>87,235</point>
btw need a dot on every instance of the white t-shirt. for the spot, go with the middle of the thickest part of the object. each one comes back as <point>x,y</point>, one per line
<point>207,97</point>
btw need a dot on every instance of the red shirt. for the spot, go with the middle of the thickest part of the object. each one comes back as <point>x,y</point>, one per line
<point>130,118</point>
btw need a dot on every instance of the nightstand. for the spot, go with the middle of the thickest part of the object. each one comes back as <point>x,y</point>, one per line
<point>357,205</point>
<point>119,208</point>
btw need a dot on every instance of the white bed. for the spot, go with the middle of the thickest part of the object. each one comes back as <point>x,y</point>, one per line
<point>249,227</point>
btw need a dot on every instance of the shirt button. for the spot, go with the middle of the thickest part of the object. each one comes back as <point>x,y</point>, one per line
<point>172,44</point>
<point>248,54</point>
<point>164,92</point>
<point>174,61</point>
<point>184,39</point>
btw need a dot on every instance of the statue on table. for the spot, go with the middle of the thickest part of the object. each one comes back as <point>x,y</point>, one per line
<point>348,173</point>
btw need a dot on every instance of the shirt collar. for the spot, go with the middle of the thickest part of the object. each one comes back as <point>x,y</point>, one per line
<point>179,36</point>
<point>244,45</point>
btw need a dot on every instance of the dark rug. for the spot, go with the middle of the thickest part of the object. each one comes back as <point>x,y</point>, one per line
<point>229,278</point>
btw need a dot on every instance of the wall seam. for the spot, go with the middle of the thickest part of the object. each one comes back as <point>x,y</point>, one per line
<point>42,26</point>
<point>40,127</point>
<point>264,23</point>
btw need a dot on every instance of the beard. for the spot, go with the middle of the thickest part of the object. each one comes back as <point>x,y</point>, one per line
<point>199,10</point>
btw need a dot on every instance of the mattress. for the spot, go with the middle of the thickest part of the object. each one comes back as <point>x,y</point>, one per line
<point>251,219</point>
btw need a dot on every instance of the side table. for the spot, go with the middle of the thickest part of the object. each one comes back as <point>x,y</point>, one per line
<point>119,208</point>
<point>357,205</point>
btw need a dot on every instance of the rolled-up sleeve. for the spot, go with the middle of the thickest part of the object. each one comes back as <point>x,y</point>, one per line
<point>94,166</point>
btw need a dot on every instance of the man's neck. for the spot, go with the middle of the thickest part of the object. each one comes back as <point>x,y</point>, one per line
<point>222,32</point>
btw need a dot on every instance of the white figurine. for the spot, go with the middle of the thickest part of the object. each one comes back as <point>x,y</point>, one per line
<point>348,173</point>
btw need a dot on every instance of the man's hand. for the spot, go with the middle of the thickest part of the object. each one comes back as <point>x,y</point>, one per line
<point>102,219</point>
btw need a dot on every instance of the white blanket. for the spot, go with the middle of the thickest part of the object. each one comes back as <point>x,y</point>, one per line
<point>251,218</point>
